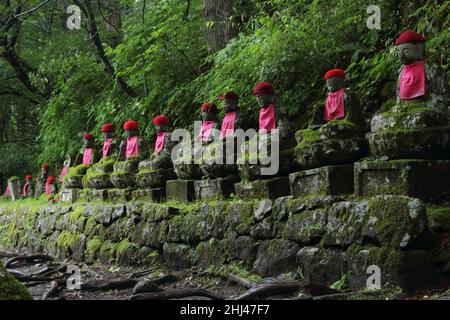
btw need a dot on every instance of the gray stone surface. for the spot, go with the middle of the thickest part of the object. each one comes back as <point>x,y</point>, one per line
<point>263,189</point>
<point>329,180</point>
<point>214,189</point>
<point>180,190</point>
<point>424,179</point>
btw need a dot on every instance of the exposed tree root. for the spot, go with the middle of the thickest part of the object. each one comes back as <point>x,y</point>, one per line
<point>178,294</point>
<point>33,258</point>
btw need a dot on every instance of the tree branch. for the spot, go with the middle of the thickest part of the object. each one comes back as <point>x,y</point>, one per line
<point>96,40</point>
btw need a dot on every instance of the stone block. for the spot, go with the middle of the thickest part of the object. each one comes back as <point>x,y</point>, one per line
<point>122,180</point>
<point>424,179</point>
<point>154,195</point>
<point>99,181</point>
<point>263,189</point>
<point>329,180</point>
<point>97,195</point>
<point>15,189</point>
<point>120,195</point>
<point>70,195</point>
<point>214,189</point>
<point>73,181</point>
<point>154,178</point>
<point>180,190</point>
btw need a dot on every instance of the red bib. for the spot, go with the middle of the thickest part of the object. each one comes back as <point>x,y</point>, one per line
<point>106,145</point>
<point>87,156</point>
<point>159,143</point>
<point>228,124</point>
<point>412,81</point>
<point>267,119</point>
<point>205,130</point>
<point>334,107</point>
<point>132,147</point>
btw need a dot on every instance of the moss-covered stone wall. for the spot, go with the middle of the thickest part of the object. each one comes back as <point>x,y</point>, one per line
<point>322,239</point>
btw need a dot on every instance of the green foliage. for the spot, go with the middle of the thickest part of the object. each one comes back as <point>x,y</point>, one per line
<point>161,53</point>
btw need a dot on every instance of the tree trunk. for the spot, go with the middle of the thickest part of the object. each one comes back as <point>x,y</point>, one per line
<point>219,27</point>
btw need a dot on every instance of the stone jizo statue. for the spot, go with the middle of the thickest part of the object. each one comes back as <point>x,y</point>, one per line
<point>271,116</point>
<point>41,180</point>
<point>110,144</point>
<point>418,80</point>
<point>51,188</point>
<point>161,158</point>
<point>341,103</point>
<point>89,153</point>
<point>28,187</point>
<point>133,146</point>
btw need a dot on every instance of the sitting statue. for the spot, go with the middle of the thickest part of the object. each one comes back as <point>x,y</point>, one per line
<point>89,153</point>
<point>134,146</point>
<point>110,144</point>
<point>51,189</point>
<point>28,187</point>
<point>65,168</point>
<point>336,134</point>
<point>75,176</point>
<point>417,127</point>
<point>227,165</point>
<point>273,119</point>
<point>131,152</point>
<point>98,176</point>
<point>186,165</point>
<point>41,181</point>
<point>418,80</point>
<point>153,173</point>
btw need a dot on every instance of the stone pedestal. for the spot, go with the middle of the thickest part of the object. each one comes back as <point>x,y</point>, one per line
<point>263,189</point>
<point>120,195</point>
<point>410,132</point>
<point>70,195</point>
<point>14,189</point>
<point>153,195</point>
<point>180,190</point>
<point>424,179</point>
<point>154,178</point>
<point>329,180</point>
<point>124,175</point>
<point>213,189</point>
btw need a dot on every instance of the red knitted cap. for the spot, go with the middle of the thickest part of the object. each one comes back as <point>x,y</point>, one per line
<point>263,88</point>
<point>162,120</point>
<point>108,127</point>
<point>334,73</point>
<point>131,125</point>
<point>208,107</point>
<point>409,36</point>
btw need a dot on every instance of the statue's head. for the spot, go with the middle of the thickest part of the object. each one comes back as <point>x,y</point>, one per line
<point>131,128</point>
<point>209,111</point>
<point>88,140</point>
<point>335,79</point>
<point>161,123</point>
<point>264,93</point>
<point>108,131</point>
<point>29,178</point>
<point>410,47</point>
<point>230,101</point>
<point>44,169</point>
<point>67,161</point>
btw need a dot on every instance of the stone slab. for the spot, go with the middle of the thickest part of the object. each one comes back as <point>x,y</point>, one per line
<point>180,190</point>
<point>153,195</point>
<point>328,180</point>
<point>70,195</point>
<point>15,189</point>
<point>214,189</point>
<point>120,195</point>
<point>423,179</point>
<point>263,189</point>
<point>97,195</point>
